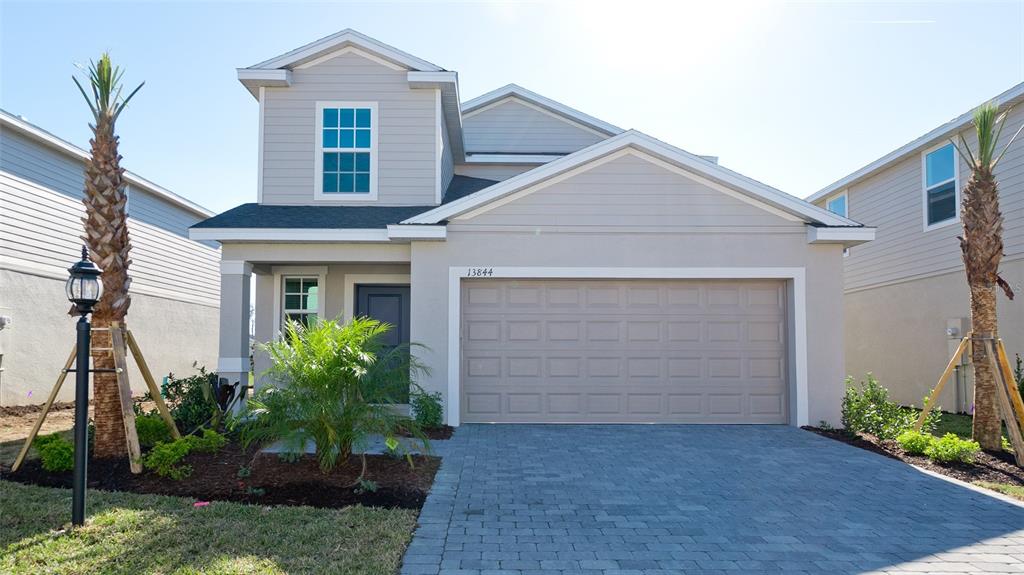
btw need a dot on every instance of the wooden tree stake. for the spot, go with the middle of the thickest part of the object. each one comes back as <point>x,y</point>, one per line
<point>953,361</point>
<point>125,394</point>
<point>151,384</point>
<point>1003,397</point>
<point>46,409</point>
<point>1015,399</point>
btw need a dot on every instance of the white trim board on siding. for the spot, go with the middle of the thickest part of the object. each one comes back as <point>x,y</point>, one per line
<point>693,166</point>
<point>392,232</point>
<point>796,275</point>
<point>340,40</point>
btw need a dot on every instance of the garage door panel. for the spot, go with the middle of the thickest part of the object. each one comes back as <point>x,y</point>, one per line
<point>624,351</point>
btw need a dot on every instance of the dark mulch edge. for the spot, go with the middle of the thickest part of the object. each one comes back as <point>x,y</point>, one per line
<point>271,479</point>
<point>988,466</point>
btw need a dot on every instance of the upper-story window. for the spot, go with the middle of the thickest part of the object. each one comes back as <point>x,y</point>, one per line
<point>941,193</point>
<point>346,166</point>
<point>838,205</point>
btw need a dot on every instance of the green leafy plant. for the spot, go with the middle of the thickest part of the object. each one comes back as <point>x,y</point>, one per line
<point>427,409</point>
<point>1018,373</point>
<point>868,409</point>
<point>950,448</point>
<point>915,442</point>
<point>289,456</point>
<point>151,430</point>
<point>56,453</point>
<point>164,459</point>
<point>329,385</point>
<point>209,442</point>
<point>1007,446</point>
<point>190,400</point>
<point>366,486</point>
<point>244,472</point>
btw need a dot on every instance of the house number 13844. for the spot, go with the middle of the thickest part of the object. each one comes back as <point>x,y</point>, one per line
<point>481,272</point>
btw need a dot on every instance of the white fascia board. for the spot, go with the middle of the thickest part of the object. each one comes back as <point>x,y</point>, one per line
<point>642,142</point>
<point>8,120</point>
<point>535,98</point>
<point>420,79</point>
<point>448,83</point>
<point>848,236</point>
<point>254,79</point>
<point>417,232</point>
<point>289,234</point>
<point>344,38</point>
<point>512,158</point>
<point>945,131</point>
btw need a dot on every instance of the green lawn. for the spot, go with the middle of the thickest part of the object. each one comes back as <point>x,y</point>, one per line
<point>128,533</point>
<point>1015,491</point>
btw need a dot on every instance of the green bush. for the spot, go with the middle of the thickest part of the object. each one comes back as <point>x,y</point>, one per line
<point>427,409</point>
<point>868,409</point>
<point>164,459</point>
<point>330,386</point>
<point>152,430</point>
<point>209,442</point>
<point>951,448</point>
<point>915,442</point>
<point>57,454</point>
<point>190,399</point>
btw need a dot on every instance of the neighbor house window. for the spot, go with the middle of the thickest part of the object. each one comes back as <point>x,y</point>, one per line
<point>346,151</point>
<point>940,186</point>
<point>301,299</point>
<point>837,205</point>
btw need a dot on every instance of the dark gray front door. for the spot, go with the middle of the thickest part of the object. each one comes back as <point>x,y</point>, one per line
<point>388,304</point>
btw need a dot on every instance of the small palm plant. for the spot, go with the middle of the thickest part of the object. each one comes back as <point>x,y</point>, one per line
<point>106,234</point>
<point>330,385</point>
<point>982,247</point>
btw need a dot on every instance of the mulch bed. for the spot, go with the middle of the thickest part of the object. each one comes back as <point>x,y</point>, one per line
<point>18,410</point>
<point>435,433</point>
<point>271,480</point>
<point>988,466</point>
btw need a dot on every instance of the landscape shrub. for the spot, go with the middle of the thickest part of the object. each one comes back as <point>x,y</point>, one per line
<point>190,399</point>
<point>868,409</point>
<point>151,430</point>
<point>427,409</point>
<point>915,442</point>
<point>329,384</point>
<point>164,458</point>
<point>209,442</point>
<point>950,448</point>
<point>56,453</point>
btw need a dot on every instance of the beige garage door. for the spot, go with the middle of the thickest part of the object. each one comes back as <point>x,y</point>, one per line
<point>704,351</point>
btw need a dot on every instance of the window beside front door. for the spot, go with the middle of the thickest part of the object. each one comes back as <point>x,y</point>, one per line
<point>941,193</point>
<point>346,151</point>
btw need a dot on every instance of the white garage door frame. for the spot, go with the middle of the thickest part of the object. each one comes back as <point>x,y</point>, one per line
<point>795,275</point>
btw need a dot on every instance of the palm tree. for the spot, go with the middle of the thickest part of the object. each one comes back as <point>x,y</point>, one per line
<point>982,246</point>
<point>106,235</point>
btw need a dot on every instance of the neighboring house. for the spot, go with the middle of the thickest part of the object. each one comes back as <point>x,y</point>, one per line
<point>906,299</point>
<point>557,268</point>
<point>175,287</point>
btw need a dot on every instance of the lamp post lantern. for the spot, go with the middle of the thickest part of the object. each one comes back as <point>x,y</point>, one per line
<point>84,289</point>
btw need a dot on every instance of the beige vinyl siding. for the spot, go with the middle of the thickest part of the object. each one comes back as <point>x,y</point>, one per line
<point>496,172</point>
<point>405,129</point>
<point>514,127</point>
<point>892,200</point>
<point>447,162</point>
<point>42,229</point>
<point>32,161</point>
<point>633,194</point>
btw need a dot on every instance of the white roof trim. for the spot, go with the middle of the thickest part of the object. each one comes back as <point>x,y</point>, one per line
<point>340,40</point>
<point>135,180</point>
<point>942,132</point>
<point>392,232</point>
<point>645,143</point>
<point>512,158</point>
<point>513,90</point>
<point>847,236</point>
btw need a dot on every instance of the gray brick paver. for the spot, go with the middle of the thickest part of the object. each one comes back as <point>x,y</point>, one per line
<point>653,500</point>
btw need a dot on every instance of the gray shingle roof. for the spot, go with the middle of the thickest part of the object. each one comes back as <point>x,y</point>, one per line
<point>334,217</point>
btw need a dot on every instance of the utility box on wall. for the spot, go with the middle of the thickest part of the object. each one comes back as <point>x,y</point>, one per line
<point>962,380</point>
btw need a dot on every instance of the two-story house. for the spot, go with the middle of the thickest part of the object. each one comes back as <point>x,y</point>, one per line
<point>175,283</point>
<point>906,300</point>
<point>555,267</point>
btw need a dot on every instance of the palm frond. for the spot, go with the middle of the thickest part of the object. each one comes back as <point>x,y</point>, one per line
<point>105,83</point>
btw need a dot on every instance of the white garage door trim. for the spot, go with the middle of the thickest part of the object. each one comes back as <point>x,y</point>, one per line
<point>795,274</point>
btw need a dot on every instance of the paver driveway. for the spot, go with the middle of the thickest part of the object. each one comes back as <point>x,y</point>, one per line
<point>522,499</point>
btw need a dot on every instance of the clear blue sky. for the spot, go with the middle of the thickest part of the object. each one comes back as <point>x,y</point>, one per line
<point>794,94</point>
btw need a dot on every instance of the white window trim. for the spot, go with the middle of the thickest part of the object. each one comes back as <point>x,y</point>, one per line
<point>354,280</point>
<point>318,160</point>
<point>842,194</point>
<point>282,272</point>
<point>924,188</point>
<point>795,276</point>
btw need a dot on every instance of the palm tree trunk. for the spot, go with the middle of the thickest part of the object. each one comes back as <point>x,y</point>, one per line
<point>110,440</point>
<point>987,430</point>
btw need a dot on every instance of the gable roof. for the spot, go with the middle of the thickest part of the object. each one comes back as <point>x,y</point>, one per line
<point>516,91</point>
<point>10,121</point>
<point>693,164</point>
<point>336,41</point>
<point>945,131</point>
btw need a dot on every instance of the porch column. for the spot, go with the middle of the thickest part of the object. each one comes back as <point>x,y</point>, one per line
<point>233,362</point>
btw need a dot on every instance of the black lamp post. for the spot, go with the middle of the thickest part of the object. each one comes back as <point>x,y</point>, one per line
<point>84,289</point>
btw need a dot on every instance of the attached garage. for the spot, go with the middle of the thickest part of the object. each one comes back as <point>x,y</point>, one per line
<point>624,351</point>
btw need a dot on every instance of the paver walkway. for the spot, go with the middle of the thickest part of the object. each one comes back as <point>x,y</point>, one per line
<point>646,500</point>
